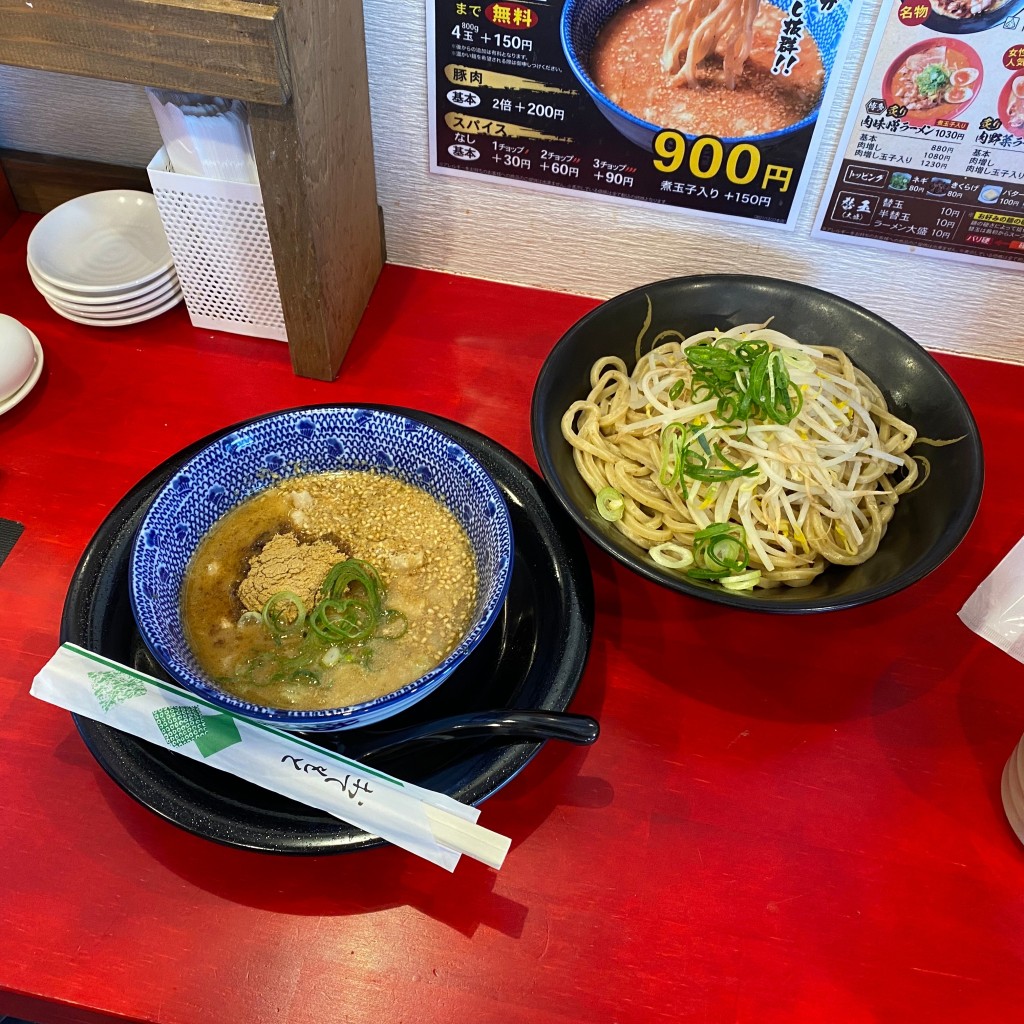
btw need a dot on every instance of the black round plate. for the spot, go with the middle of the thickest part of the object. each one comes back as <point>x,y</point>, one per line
<point>929,522</point>
<point>533,657</point>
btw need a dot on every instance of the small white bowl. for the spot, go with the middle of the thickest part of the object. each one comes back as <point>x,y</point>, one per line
<point>101,298</point>
<point>22,393</point>
<point>17,355</point>
<point>101,242</point>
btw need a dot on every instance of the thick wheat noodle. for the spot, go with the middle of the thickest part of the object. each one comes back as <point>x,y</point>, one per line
<point>699,28</point>
<point>827,482</point>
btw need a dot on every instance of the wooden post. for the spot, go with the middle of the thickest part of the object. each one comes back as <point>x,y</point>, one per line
<point>315,159</point>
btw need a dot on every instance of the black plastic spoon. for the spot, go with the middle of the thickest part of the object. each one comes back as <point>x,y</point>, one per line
<point>503,725</point>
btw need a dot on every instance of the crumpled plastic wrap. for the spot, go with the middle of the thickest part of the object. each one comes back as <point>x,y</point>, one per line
<point>995,610</point>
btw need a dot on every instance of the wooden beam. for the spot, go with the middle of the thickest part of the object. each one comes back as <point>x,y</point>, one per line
<point>232,48</point>
<point>40,182</point>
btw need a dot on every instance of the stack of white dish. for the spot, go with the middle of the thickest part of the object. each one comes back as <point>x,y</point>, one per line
<point>103,259</point>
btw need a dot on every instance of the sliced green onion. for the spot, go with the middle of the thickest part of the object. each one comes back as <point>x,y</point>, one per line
<point>349,612</point>
<point>749,351</point>
<point>750,379</point>
<point>673,436</point>
<point>713,475</point>
<point>276,613</point>
<point>715,530</point>
<point>353,570</point>
<point>728,406</point>
<point>707,574</point>
<point>610,504</point>
<point>345,621</point>
<point>727,552</point>
<point>707,355</point>
<point>393,624</point>
<point>672,555</point>
<point>798,360</point>
<point>744,581</point>
<point>360,656</point>
<point>719,550</point>
<point>699,466</point>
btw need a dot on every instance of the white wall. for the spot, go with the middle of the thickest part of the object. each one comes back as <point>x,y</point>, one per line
<point>76,117</point>
<point>567,242</point>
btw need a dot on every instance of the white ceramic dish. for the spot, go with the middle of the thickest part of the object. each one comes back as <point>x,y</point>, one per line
<point>106,310</point>
<point>105,299</point>
<point>17,355</point>
<point>120,321</point>
<point>117,317</point>
<point>12,400</point>
<point>100,242</point>
<point>90,316</point>
<point>1017,764</point>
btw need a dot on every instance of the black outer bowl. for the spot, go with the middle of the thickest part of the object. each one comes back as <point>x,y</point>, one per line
<point>928,523</point>
<point>532,659</point>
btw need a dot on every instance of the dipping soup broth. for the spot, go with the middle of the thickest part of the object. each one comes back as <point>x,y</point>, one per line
<point>286,540</point>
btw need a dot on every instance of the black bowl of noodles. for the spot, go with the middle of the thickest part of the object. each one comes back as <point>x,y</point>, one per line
<point>757,467</point>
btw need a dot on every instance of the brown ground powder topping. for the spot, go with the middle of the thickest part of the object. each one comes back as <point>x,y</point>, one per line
<point>417,546</point>
<point>286,563</point>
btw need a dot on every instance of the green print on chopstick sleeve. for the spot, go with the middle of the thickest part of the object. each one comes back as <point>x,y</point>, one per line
<point>112,688</point>
<point>211,733</point>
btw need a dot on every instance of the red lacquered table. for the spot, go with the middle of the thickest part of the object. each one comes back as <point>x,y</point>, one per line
<point>785,818</point>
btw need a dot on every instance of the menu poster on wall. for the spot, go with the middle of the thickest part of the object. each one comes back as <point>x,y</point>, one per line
<point>932,156</point>
<point>650,101</point>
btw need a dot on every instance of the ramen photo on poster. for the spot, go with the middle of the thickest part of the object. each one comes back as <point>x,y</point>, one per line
<point>966,17</point>
<point>734,69</point>
<point>934,80</point>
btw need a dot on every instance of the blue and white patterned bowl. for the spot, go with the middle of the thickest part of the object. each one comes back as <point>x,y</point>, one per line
<point>266,451</point>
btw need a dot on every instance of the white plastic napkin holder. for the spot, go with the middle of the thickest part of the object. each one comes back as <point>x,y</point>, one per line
<point>217,231</point>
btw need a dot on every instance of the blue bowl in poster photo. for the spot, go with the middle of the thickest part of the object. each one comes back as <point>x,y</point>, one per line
<point>318,439</point>
<point>582,21</point>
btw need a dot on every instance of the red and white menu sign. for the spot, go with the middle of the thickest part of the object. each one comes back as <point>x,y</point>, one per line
<point>932,156</point>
